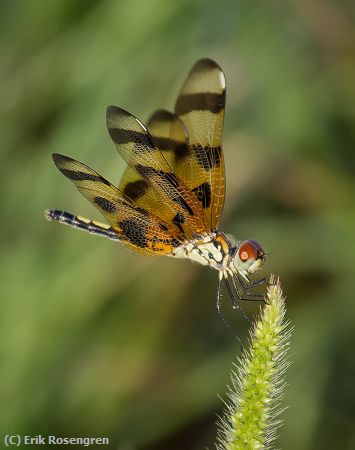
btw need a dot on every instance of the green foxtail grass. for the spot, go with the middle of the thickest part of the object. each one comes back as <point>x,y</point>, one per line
<point>251,418</point>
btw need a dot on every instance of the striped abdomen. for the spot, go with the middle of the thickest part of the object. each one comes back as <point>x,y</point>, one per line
<point>82,223</point>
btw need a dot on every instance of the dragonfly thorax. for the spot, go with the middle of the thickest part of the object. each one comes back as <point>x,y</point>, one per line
<point>210,249</point>
<point>223,253</point>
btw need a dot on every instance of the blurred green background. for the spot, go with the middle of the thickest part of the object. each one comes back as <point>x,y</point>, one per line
<point>95,340</point>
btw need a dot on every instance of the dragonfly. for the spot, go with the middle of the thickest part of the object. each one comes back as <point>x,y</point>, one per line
<point>170,198</point>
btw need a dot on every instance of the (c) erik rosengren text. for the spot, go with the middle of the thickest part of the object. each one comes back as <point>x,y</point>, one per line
<point>39,439</point>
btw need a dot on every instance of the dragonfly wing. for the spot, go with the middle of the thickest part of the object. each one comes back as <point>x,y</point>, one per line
<point>134,226</point>
<point>138,149</point>
<point>200,106</point>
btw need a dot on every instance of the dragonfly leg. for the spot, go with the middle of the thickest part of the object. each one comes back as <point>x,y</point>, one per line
<point>235,301</point>
<point>239,285</point>
<point>220,315</point>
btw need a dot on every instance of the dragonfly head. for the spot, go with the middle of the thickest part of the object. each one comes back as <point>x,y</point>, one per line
<point>248,256</point>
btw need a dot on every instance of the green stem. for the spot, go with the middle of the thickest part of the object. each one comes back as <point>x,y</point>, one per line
<point>251,417</point>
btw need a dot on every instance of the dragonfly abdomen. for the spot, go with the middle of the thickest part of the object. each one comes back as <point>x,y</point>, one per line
<point>81,223</point>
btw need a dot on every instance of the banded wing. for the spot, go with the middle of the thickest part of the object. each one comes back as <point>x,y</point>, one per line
<point>160,127</point>
<point>172,200</point>
<point>133,225</point>
<point>200,107</point>
<point>170,135</point>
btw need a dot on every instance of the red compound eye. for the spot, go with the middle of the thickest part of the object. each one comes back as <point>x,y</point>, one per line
<point>249,250</point>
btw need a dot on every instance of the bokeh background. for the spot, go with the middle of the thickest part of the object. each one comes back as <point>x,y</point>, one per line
<point>97,341</point>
